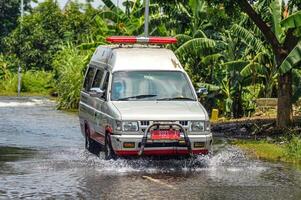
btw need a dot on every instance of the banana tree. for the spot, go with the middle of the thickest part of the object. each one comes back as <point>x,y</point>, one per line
<point>282,41</point>
<point>261,68</point>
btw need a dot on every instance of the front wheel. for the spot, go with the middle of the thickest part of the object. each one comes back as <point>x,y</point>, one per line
<point>109,152</point>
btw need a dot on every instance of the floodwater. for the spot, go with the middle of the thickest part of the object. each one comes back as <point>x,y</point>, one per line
<point>42,156</point>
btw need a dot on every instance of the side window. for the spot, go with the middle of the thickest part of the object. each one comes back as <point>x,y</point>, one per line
<point>89,78</point>
<point>98,78</point>
<point>106,83</point>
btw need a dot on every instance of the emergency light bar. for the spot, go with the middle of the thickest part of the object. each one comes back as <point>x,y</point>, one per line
<point>141,40</point>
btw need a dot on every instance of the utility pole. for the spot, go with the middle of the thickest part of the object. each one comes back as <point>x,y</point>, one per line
<point>20,68</point>
<point>146,18</point>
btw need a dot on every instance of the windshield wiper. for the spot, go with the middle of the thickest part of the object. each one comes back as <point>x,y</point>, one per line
<point>175,98</point>
<point>142,96</point>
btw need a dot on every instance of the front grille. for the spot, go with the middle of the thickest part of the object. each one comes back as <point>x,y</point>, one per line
<point>144,123</point>
<point>184,123</point>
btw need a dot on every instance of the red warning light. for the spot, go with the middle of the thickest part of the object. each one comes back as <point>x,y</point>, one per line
<point>141,40</point>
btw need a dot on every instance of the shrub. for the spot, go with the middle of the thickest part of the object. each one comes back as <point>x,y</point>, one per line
<point>9,84</point>
<point>293,148</point>
<point>70,64</point>
<point>8,80</point>
<point>32,81</point>
<point>37,82</point>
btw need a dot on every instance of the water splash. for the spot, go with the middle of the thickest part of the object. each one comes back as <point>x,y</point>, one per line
<point>230,157</point>
<point>23,103</point>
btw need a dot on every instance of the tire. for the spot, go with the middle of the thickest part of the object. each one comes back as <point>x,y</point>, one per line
<point>88,142</point>
<point>109,152</point>
<point>91,145</point>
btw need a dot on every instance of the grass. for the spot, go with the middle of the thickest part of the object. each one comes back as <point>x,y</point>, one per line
<point>286,152</point>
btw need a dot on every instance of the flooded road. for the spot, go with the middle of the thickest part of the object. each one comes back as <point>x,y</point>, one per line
<point>42,156</point>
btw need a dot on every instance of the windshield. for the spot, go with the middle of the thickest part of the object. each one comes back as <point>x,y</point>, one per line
<point>151,85</point>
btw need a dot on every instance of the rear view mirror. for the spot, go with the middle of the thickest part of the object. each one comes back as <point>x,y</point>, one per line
<point>96,92</point>
<point>202,91</point>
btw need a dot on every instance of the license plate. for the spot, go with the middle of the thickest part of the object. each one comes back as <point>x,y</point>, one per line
<point>165,135</point>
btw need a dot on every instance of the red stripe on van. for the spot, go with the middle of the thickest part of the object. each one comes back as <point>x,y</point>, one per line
<point>161,152</point>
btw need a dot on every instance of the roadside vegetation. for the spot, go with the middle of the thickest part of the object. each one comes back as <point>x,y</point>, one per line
<point>239,55</point>
<point>286,149</point>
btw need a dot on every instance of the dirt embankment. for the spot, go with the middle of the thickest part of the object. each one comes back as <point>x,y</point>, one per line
<point>252,128</point>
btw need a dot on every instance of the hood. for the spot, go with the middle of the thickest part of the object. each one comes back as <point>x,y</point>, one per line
<point>161,110</point>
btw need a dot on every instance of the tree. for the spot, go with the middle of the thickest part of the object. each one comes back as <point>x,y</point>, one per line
<point>39,38</point>
<point>281,49</point>
<point>281,43</point>
<point>9,13</point>
<point>46,29</point>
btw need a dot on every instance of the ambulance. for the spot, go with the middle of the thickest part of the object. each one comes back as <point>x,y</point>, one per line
<point>137,100</point>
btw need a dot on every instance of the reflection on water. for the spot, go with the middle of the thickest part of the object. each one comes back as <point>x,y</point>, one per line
<point>42,157</point>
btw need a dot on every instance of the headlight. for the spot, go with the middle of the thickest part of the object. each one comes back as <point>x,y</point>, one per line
<point>197,126</point>
<point>130,126</point>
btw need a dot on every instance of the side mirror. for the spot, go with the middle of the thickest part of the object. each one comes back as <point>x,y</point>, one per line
<point>96,92</point>
<point>202,91</point>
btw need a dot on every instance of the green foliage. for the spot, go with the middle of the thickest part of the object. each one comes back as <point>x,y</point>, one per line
<point>9,84</point>
<point>37,82</point>
<point>276,10</point>
<point>291,60</point>
<point>45,30</point>
<point>293,21</point>
<point>9,13</point>
<point>293,148</point>
<point>69,64</point>
<point>8,80</point>
<point>248,37</point>
<point>196,46</point>
<point>39,38</point>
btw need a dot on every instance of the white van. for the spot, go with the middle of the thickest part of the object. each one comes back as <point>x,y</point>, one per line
<point>138,100</point>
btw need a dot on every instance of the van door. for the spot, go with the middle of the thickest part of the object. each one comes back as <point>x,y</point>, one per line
<point>85,108</point>
<point>98,102</point>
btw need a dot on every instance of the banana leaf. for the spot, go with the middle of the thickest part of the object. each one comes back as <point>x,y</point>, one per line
<point>196,46</point>
<point>236,65</point>
<point>247,37</point>
<point>291,60</point>
<point>293,21</point>
<point>276,8</point>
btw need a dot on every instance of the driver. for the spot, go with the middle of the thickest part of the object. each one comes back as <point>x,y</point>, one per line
<point>118,89</point>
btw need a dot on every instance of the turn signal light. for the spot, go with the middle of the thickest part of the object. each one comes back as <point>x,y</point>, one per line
<point>141,40</point>
<point>129,145</point>
<point>199,145</point>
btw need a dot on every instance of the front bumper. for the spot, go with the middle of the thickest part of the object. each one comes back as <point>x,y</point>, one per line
<point>200,144</point>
